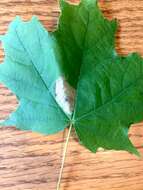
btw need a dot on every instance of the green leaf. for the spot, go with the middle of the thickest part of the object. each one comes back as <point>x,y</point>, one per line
<point>81,55</point>
<point>116,101</point>
<point>29,70</point>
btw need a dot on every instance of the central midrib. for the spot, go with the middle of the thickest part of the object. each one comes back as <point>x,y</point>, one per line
<point>84,42</point>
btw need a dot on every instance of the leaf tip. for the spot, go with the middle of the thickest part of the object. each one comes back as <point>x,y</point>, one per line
<point>89,3</point>
<point>61,3</point>
<point>17,19</point>
<point>137,153</point>
<point>132,149</point>
<point>1,38</point>
<point>2,123</point>
<point>34,18</point>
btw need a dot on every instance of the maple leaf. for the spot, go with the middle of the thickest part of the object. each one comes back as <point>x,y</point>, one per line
<point>80,55</point>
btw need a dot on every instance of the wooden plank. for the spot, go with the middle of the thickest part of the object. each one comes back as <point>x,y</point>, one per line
<point>30,161</point>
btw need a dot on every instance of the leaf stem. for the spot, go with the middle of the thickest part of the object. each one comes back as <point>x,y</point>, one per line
<point>64,157</point>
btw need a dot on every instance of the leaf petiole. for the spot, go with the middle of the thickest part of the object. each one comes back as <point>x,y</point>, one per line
<point>64,157</point>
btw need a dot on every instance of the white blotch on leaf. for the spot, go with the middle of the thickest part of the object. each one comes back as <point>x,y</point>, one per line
<point>65,95</point>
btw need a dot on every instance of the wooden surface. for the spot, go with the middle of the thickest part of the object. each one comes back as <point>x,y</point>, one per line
<point>30,161</point>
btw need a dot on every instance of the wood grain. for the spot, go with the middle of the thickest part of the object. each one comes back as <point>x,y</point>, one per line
<point>29,161</point>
